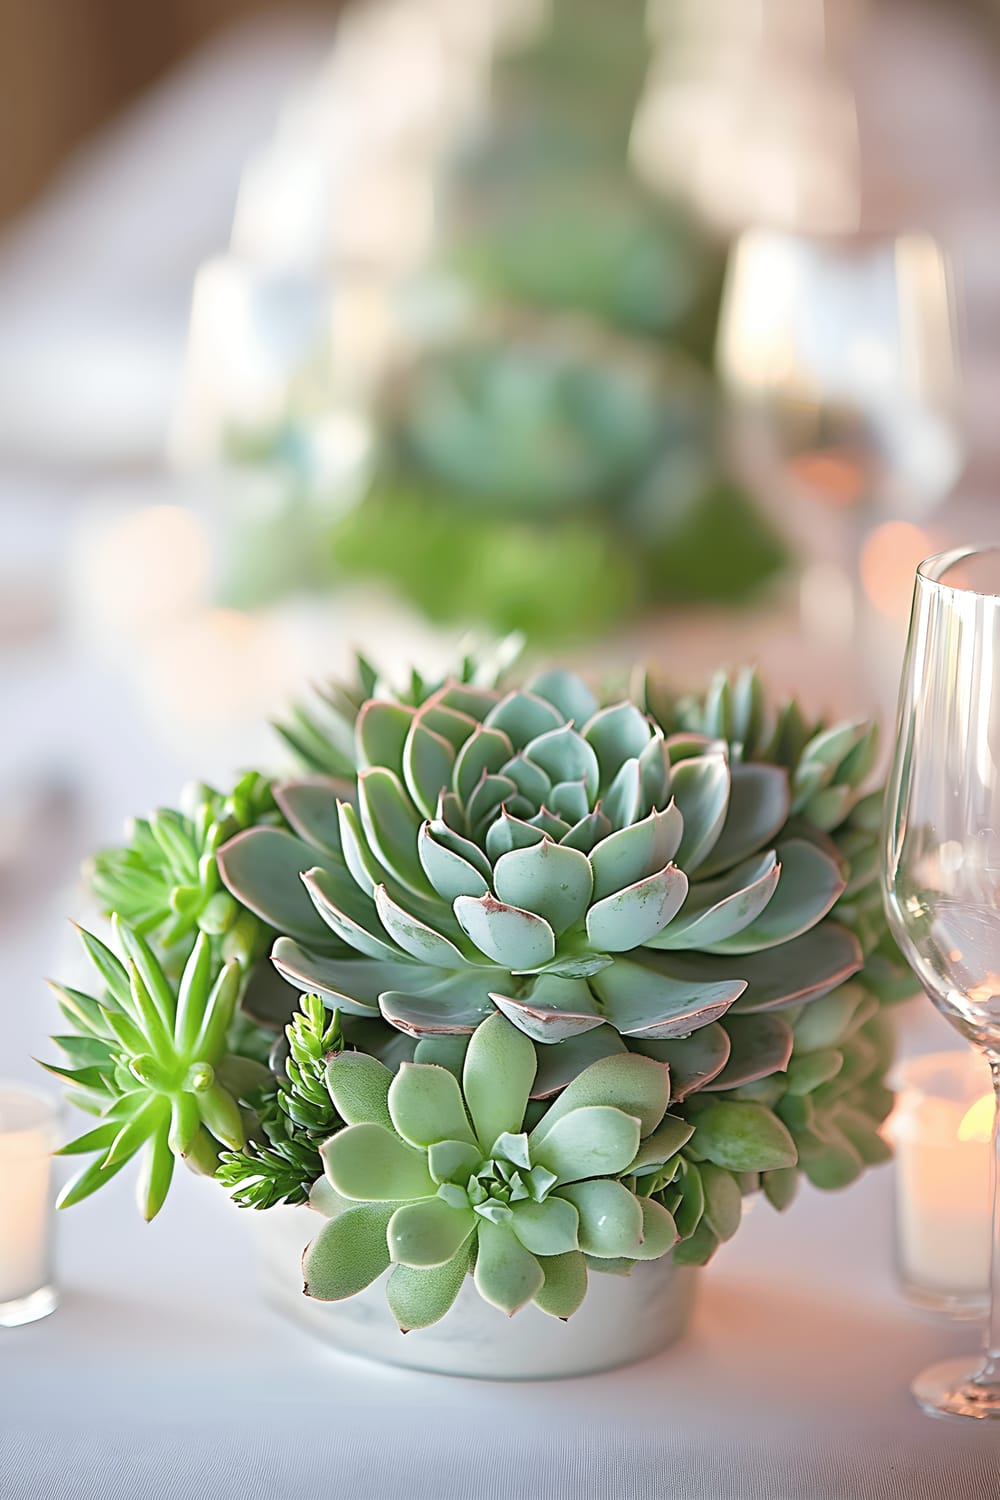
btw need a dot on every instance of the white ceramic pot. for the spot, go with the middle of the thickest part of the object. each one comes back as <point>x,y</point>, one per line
<point>622,1318</point>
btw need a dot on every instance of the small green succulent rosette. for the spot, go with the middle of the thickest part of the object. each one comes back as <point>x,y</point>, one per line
<point>438,1177</point>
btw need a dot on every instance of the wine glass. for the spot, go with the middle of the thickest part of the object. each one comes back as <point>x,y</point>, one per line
<point>941,861</point>
<point>838,357</point>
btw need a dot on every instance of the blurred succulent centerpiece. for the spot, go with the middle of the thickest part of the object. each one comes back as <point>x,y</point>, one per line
<point>516,983</point>
<point>516,426</point>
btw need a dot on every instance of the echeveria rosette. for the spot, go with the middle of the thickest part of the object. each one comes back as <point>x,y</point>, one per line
<point>437,1177</point>
<point>150,1058</point>
<point>534,852</point>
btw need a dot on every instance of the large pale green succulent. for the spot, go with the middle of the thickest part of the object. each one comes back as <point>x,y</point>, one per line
<point>532,852</point>
<point>438,1178</point>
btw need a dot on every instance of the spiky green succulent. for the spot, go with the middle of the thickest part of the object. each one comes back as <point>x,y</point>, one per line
<point>165,883</point>
<point>150,1059</point>
<point>532,852</point>
<point>439,1177</point>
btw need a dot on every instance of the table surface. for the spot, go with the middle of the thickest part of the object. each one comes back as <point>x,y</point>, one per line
<point>162,1372</point>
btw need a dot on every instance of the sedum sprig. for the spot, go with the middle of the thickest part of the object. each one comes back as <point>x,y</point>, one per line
<point>296,1116</point>
<point>149,1059</point>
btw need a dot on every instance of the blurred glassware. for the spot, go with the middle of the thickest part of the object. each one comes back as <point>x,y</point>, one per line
<point>840,362</point>
<point>941,862</point>
<point>299,210</point>
<point>28,1136</point>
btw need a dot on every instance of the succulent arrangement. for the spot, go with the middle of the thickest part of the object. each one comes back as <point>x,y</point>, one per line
<point>515,981</point>
<point>545,473</point>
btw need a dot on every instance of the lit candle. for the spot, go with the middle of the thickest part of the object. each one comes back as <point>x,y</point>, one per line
<point>27,1140</point>
<point>941,1130</point>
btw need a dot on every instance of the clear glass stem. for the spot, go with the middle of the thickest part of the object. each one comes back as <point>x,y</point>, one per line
<point>989,1375</point>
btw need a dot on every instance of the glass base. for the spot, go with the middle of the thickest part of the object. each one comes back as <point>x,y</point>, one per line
<point>949,1389</point>
<point>963,1307</point>
<point>30,1308</point>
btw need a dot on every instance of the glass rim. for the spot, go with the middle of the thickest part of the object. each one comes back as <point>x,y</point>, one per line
<point>931,571</point>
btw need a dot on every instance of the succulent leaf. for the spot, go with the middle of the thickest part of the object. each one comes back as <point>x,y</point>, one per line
<point>547,1228</point>
<point>700,789</point>
<point>659,1232</point>
<point>349,1252</point>
<point>592,1141</point>
<point>428,1233</point>
<point>548,879</point>
<point>310,808</point>
<point>262,867</point>
<point>717,909</point>
<point>646,1000</point>
<point>760,1047</point>
<point>610,1218</point>
<point>418,1298</point>
<point>635,1085</point>
<point>438,1003</point>
<point>809,884</point>
<point>507,1275</point>
<point>426,1106</point>
<point>497,1077</point>
<point>630,854</point>
<point>368,1162</point>
<point>565,1284</point>
<point>757,809</point>
<point>359,1087</point>
<point>515,939</point>
<point>743,1136</point>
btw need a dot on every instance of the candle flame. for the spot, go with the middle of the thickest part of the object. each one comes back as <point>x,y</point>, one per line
<point>977,1122</point>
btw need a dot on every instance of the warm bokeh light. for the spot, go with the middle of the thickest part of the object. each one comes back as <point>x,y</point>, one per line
<point>137,570</point>
<point>977,1122</point>
<point>889,558</point>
